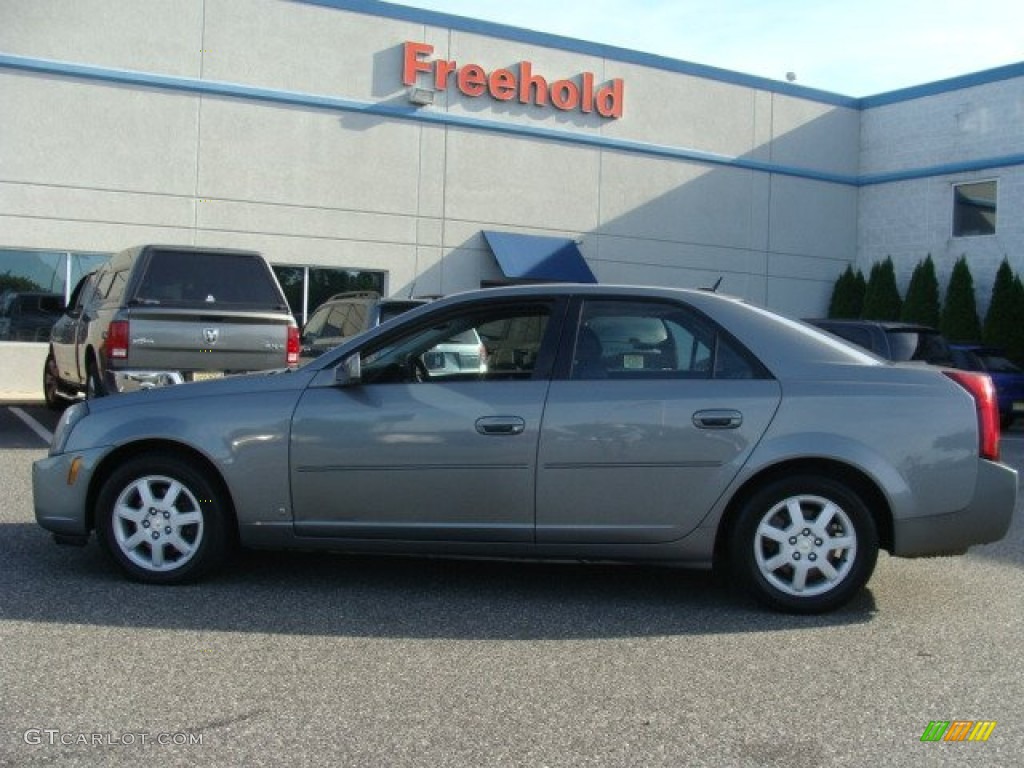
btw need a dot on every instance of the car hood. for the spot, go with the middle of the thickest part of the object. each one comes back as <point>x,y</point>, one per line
<point>246,384</point>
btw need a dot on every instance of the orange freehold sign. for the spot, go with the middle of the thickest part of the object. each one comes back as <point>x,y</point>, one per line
<point>520,84</point>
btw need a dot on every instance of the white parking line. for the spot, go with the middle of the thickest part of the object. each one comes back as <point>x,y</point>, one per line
<point>32,424</point>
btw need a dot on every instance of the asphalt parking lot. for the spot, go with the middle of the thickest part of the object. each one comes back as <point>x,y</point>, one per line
<point>292,659</point>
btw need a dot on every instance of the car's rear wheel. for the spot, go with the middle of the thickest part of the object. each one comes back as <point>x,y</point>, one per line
<point>162,519</point>
<point>53,393</point>
<point>804,544</point>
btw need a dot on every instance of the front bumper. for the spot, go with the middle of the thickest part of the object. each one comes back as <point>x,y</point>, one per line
<point>60,490</point>
<point>986,519</point>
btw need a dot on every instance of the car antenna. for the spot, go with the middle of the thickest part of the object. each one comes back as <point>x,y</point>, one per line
<point>713,288</point>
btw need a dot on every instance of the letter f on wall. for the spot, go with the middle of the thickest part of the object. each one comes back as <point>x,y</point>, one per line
<point>413,61</point>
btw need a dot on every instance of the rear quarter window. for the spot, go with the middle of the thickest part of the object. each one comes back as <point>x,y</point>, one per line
<point>208,278</point>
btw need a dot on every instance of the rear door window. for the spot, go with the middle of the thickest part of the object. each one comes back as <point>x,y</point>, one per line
<point>654,340</point>
<point>208,278</point>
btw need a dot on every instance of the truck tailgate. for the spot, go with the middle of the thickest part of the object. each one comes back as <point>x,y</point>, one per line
<point>222,341</point>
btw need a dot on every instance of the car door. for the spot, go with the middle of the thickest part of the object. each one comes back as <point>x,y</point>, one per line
<point>648,421</point>
<point>401,454</point>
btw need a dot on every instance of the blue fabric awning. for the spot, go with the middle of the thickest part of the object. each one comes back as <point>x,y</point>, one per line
<point>532,257</point>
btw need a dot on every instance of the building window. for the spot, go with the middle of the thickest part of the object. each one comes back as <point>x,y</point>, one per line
<point>35,286</point>
<point>306,288</point>
<point>974,209</point>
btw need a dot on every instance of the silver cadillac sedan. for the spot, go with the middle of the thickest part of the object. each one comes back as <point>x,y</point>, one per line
<point>609,423</point>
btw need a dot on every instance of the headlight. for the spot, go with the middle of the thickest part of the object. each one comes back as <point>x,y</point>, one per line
<point>68,420</point>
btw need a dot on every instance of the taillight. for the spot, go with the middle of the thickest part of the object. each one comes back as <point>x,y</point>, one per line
<point>292,355</point>
<point>117,340</point>
<point>984,393</point>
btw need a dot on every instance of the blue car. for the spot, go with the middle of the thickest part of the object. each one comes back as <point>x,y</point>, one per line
<point>1007,377</point>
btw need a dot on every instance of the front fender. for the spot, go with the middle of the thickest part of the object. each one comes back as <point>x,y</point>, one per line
<point>244,436</point>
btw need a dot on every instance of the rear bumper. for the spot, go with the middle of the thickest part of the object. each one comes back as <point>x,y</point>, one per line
<point>986,519</point>
<point>133,381</point>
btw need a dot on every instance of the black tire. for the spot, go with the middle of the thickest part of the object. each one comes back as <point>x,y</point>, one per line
<point>811,565</point>
<point>94,386</point>
<point>162,520</point>
<point>53,391</point>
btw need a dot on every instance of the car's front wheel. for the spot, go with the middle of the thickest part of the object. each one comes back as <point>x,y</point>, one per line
<point>804,544</point>
<point>162,519</point>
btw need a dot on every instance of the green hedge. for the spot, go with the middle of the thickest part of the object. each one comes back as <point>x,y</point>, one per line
<point>878,298</point>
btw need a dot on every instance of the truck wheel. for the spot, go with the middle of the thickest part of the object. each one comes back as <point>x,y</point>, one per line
<point>162,520</point>
<point>93,383</point>
<point>52,390</point>
<point>804,544</point>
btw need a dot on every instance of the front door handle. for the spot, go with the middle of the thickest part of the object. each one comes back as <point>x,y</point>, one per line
<point>500,425</point>
<point>720,418</point>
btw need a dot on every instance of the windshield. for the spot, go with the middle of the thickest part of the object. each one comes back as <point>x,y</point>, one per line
<point>996,363</point>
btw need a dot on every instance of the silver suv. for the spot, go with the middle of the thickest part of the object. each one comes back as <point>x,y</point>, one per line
<point>345,315</point>
<point>899,342</point>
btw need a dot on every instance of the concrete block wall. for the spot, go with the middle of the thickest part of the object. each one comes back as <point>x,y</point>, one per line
<point>307,184</point>
<point>963,135</point>
<point>21,371</point>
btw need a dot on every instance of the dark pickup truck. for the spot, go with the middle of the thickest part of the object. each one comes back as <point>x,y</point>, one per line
<point>159,315</point>
<point>900,342</point>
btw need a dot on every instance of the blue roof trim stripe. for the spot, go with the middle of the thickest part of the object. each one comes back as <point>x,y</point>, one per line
<point>601,50</point>
<point>531,37</point>
<point>966,166</point>
<point>939,87</point>
<point>234,90</point>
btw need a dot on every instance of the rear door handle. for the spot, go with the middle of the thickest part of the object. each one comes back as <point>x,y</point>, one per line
<point>717,419</point>
<point>500,425</point>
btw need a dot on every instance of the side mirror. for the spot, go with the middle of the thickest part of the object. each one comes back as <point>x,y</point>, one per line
<point>350,372</point>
